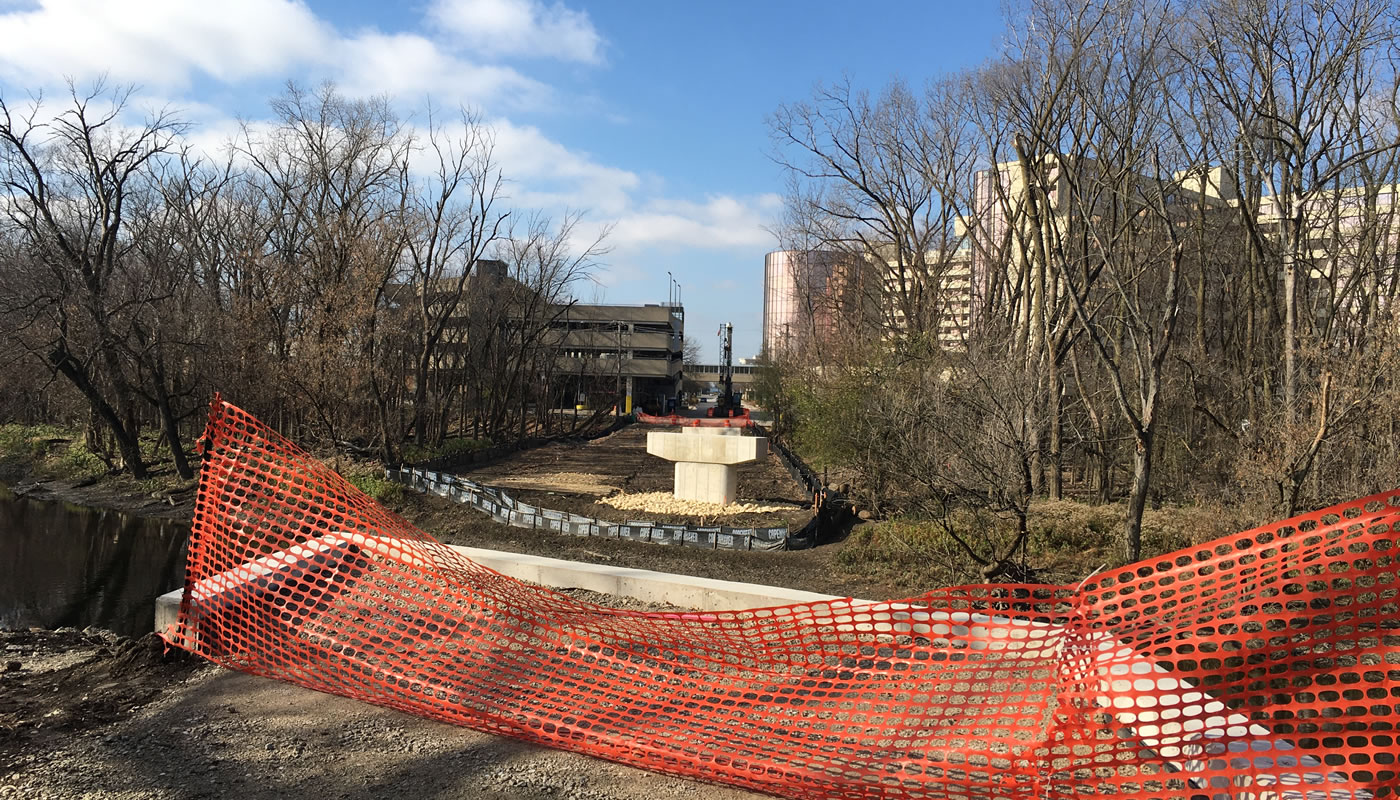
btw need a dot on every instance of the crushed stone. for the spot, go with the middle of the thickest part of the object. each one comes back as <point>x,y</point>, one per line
<point>667,503</point>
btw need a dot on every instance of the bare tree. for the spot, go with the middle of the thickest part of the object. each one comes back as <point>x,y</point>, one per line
<point>69,181</point>
<point>454,219</point>
<point>329,183</point>
<point>547,262</point>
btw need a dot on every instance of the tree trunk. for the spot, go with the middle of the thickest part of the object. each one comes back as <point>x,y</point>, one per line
<point>1103,482</point>
<point>171,427</point>
<point>128,444</point>
<point>420,401</point>
<point>1290,336</point>
<point>1137,498</point>
<point>1056,409</point>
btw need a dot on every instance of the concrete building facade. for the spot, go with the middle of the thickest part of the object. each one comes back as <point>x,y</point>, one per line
<point>600,351</point>
<point>940,289</point>
<point>1342,229</point>
<point>634,350</point>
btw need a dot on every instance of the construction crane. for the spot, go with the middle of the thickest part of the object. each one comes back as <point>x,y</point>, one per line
<point>730,402</point>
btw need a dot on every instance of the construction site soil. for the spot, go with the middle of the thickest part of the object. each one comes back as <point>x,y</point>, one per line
<point>572,476</point>
<point>620,460</point>
<point>91,715</point>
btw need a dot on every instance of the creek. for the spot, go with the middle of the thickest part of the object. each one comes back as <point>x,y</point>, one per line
<point>68,565</point>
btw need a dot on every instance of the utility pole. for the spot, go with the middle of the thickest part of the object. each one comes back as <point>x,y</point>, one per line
<point>617,401</point>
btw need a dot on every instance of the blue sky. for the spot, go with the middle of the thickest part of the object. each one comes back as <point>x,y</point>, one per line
<point>648,116</point>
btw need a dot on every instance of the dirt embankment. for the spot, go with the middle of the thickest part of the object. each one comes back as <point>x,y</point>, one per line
<point>618,460</point>
<point>47,462</point>
<point>115,493</point>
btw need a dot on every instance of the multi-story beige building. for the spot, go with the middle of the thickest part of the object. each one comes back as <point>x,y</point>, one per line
<point>1340,231</point>
<point>939,289</point>
<point>993,243</point>
<point>600,351</point>
<point>636,350</point>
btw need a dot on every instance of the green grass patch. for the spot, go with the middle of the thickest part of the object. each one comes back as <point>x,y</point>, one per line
<point>51,451</point>
<point>29,442</point>
<point>75,461</point>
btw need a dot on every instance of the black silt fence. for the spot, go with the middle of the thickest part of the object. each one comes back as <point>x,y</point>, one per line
<point>506,510</point>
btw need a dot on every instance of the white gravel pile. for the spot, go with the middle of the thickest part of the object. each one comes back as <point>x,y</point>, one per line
<point>667,503</point>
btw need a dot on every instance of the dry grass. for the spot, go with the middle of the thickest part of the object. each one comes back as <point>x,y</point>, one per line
<point>1068,540</point>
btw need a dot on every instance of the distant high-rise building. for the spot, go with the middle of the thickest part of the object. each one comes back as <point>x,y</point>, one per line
<point>795,288</point>
<point>815,294</point>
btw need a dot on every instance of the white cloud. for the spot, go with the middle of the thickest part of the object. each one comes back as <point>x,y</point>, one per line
<point>409,66</point>
<point>721,222</point>
<point>546,174</point>
<point>166,44</point>
<point>520,27</point>
<point>157,43</point>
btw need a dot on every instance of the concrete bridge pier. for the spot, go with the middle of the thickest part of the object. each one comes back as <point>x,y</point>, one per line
<point>707,460</point>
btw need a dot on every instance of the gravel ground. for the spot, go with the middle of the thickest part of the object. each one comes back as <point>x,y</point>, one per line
<point>581,483</point>
<point>668,503</point>
<point>90,715</point>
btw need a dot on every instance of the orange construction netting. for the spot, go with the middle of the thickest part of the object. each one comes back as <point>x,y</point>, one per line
<point>1263,666</point>
<point>741,420</point>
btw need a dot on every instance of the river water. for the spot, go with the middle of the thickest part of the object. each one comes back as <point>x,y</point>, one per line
<point>62,564</point>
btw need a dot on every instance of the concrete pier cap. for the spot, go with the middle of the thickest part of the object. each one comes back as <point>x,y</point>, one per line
<point>707,460</point>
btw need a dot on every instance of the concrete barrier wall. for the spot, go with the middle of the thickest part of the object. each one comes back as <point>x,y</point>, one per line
<point>685,591</point>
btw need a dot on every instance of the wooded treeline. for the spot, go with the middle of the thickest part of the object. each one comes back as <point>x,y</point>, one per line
<point>319,273</point>
<point>1147,253</point>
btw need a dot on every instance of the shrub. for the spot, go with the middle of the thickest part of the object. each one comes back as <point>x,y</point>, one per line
<point>1066,525</point>
<point>414,453</point>
<point>913,552</point>
<point>1068,540</point>
<point>1173,528</point>
<point>383,491</point>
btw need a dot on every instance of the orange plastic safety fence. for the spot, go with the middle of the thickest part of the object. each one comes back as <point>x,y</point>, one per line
<point>739,421</point>
<point>1264,665</point>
